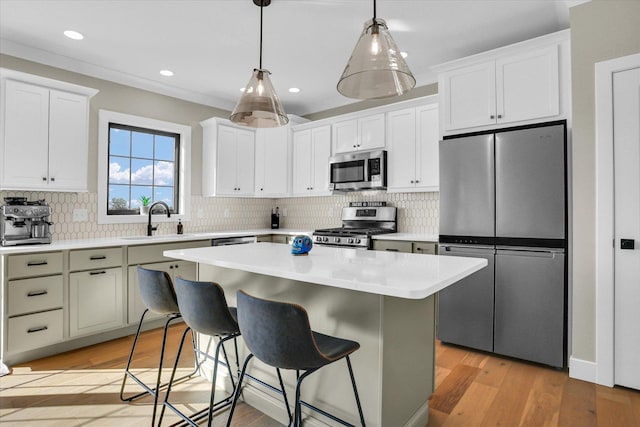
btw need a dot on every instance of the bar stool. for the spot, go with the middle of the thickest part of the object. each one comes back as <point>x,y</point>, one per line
<point>279,334</point>
<point>158,296</point>
<point>204,309</point>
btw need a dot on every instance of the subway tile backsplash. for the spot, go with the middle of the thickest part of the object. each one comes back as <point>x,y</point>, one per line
<point>417,213</point>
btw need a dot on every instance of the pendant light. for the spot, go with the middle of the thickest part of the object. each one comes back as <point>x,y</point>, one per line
<point>259,106</point>
<point>376,68</point>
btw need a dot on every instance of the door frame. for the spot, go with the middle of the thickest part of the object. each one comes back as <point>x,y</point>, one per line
<point>604,251</point>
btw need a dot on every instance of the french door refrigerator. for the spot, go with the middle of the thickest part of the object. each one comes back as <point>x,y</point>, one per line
<point>503,198</point>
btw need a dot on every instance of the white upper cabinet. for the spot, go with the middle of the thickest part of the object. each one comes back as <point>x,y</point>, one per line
<point>518,84</point>
<point>412,138</point>
<point>365,133</point>
<point>228,166</point>
<point>272,162</point>
<point>44,143</point>
<point>311,152</point>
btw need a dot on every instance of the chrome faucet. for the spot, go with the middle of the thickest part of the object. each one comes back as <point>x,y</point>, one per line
<point>150,228</point>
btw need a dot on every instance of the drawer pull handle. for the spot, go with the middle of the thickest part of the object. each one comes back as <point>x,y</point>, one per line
<point>36,263</point>
<point>97,257</point>
<point>93,273</point>
<point>37,293</point>
<point>37,329</point>
<point>391,250</point>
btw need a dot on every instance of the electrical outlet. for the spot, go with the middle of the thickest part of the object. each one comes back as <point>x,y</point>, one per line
<point>227,214</point>
<point>80,215</point>
<point>200,214</point>
<point>284,212</point>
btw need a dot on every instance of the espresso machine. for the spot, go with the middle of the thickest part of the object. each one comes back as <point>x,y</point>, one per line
<point>24,222</point>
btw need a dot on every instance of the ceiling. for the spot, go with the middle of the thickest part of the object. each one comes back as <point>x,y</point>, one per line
<point>213,45</point>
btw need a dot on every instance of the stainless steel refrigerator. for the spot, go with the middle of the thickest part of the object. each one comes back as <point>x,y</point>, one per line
<point>503,198</point>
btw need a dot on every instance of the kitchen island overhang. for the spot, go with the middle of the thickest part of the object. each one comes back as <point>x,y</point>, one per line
<point>383,300</point>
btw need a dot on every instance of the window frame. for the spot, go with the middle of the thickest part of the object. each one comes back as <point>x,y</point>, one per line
<point>184,164</point>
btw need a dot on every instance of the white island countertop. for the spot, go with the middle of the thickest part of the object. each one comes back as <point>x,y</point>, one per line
<point>413,276</point>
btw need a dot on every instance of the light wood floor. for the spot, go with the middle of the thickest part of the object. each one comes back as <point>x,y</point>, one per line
<point>472,389</point>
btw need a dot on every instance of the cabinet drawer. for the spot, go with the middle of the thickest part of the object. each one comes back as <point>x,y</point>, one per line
<point>392,246</point>
<point>427,248</point>
<point>35,330</point>
<point>34,264</point>
<point>153,253</point>
<point>37,294</point>
<point>95,258</point>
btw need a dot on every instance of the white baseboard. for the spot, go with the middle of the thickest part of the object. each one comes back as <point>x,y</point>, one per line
<point>420,418</point>
<point>583,369</point>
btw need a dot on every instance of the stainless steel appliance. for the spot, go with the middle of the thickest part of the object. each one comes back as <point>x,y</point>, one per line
<point>503,198</point>
<point>359,224</point>
<point>228,241</point>
<point>366,170</point>
<point>24,222</point>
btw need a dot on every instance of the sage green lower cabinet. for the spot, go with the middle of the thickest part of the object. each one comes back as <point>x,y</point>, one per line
<point>282,238</point>
<point>95,301</point>
<point>264,238</point>
<point>427,248</point>
<point>392,246</point>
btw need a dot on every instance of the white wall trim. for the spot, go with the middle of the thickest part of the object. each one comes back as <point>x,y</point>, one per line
<point>584,370</point>
<point>604,295</point>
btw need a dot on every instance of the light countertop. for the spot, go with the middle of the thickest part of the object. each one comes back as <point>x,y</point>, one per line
<point>413,276</point>
<point>62,245</point>
<point>408,237</point>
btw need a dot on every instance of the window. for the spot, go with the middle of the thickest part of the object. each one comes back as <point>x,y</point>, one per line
<point>142,161</point>
<point>142,169</point>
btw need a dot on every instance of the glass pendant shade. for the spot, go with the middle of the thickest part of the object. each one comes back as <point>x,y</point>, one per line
<point>376,68</point>
<point>259,106</point>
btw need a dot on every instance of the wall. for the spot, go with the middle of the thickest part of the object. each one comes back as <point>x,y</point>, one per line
<point>418,212</point>
<point>600,30</point>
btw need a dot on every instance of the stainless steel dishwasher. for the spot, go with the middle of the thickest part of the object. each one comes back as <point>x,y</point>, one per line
<point>227,241</point>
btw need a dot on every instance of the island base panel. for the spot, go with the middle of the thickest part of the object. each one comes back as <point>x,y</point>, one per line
<point>394,367</point>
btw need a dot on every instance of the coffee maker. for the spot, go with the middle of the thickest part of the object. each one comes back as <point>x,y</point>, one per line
<point>24,222</point>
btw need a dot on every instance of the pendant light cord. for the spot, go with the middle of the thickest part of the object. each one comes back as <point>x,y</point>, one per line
<point>261,8</point>
<point>374,10</point>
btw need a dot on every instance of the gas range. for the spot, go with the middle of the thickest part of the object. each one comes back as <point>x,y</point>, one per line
<point>359,224</point>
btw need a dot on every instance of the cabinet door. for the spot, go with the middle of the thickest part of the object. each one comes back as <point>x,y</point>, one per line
<point>275,162</point>
<point>68,141</point>
<point>227,161</point>
<point>96,301</point>
<point>345,136</point>
<point>401,137</point>
<point>469,96</point>
<point>528,86</point>
<point>260,169</point>
<point>427,140</point>
<point>321,146</point>
<point>371,132</point>
<point>245,162</point>
<point>25,136</point>
<point>301,162</point>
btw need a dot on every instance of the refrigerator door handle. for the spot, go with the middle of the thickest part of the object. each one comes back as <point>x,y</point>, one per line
<point>530,252</point>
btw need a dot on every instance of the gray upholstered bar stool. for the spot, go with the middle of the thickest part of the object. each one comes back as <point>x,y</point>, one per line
<point>204,309</point>
<point>158,295</point>
<point>279,334</point>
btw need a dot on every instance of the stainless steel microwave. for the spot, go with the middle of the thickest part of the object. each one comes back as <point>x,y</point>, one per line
<point>366,170</point>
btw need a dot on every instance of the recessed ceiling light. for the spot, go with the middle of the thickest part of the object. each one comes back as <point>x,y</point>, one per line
<point>74,35</point>
<point>294,90</point>
<point>166,73</point>
<point>404,54</point>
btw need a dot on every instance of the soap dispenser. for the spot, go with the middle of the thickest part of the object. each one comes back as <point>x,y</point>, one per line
<point>180,227</point>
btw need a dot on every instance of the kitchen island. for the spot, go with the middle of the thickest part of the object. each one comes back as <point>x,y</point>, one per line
<point>383,300</point>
